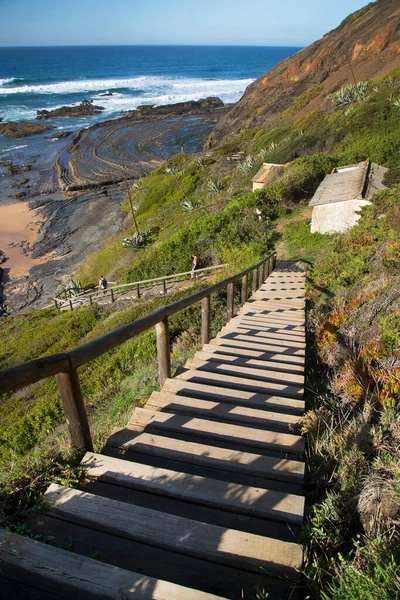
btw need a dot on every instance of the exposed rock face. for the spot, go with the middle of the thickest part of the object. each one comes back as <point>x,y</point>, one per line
<point>179,108</point>
<point>84,109</point>
<point>367,43</point>
<point>21,129</point>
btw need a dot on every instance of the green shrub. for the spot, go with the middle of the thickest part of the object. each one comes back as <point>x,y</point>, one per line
<point>303,100</point>
<point>373,575</point>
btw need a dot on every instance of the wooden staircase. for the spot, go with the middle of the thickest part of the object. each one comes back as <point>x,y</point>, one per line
<point>203,487</point>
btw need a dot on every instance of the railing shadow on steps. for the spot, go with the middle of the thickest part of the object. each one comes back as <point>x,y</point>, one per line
<point>137,286</point>
<point>64,365</point>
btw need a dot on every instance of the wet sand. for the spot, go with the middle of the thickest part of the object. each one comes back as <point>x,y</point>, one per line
<point>18,225</point>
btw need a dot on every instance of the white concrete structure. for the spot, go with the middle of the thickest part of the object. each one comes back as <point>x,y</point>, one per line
<point>342,194</point>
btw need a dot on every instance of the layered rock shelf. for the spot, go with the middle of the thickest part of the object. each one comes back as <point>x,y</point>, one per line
<point>137,143</point>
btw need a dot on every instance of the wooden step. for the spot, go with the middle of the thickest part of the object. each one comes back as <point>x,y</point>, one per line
<point>272,319</point>
<point>277,330</point>
<point>289,353</point>
<point>288,309</point>
<point>62,574</point>
<point>219,411</point>
<point>274,315</point>
<point>290,299</point>
<point>246,358</point>
<point>224,459</point>
<point>261,336</point>
<point>155,562</point>
<point>234,396</point>
<point>262,374</point>
<point>252,385</point>
<point>210,542</point>
<point>229,432</point>
<point>232,497</point>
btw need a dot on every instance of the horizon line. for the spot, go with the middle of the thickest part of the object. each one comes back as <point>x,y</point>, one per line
<point>154,46</point>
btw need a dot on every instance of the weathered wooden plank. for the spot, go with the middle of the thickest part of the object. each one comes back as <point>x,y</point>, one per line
<point>245,370</point>
<point>215,457</point>
<point>257,332</point>
<point>224,380</point>
<point>69,575</point>
<point>241,356</point>
<point>210,542</point>
<point>247,312</point>
<point>233,497</point>
<point>208,409</point>
<point>156,562</point>
<point>236,434</point>
<point>262,325</point>
<point>266,325</point>
<point>269,338</point>
<point>235,396</point>
<point>258,345</point>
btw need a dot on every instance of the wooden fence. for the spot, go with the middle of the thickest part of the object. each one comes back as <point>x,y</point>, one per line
<point>64,365</point>
<point>70,299</point>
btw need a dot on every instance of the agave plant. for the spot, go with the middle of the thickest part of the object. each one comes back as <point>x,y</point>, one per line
<point>393,100</point>
<point>215,187</point>
<point>138,183</point>
<point>138,240</point>
<point>72,286</point>
<point>351,94</point>
<point>247,164</point>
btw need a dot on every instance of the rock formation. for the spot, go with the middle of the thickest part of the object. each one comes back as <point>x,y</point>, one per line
<point>84,109</point>
<point>21,129</point>
<point>365,45</point>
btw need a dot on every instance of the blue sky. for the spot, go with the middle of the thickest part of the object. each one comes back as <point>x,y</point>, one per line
<point>238,22</point>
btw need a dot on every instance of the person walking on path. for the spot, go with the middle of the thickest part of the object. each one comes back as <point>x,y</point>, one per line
<point>103,283</point>
<point>195,264</point>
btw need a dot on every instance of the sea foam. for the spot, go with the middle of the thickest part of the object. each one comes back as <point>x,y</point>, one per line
<point>140,84</point>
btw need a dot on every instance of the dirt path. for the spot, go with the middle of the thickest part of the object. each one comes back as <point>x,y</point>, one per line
<point>281,246</point>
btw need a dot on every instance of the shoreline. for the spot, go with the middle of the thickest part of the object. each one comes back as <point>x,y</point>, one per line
<point>64,228</point>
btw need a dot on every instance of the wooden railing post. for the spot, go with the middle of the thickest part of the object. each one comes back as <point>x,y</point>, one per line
<point>112,295</point>
<point>138,291</point>
<point>70,304</point>
<point>75,412</point>
<point>90,300</point>
<point>163,351</point>
<point>205,320</point>
<point>260,276</point>
<point>274,262</point>
<point>269,263</point>
<point>245,282</point>
<point>254,282</point>
<point>164,287</point>
<point>229,300</point>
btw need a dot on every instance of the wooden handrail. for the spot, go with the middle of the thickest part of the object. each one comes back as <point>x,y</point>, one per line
<point>64,365</point>
<point>122,286</point>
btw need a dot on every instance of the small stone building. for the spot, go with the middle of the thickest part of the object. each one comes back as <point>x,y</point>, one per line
<point>268,173</point>
<point>337,201</point>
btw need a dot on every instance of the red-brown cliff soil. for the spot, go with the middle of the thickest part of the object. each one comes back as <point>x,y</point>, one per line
<point>365,45</point>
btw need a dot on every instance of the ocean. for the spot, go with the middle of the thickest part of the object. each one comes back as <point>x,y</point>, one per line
<point>32,79</point>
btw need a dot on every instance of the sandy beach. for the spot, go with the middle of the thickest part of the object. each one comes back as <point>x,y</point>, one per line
<point>18,225</point>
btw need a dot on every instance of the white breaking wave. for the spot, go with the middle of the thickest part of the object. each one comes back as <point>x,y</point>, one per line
<point>14,148</point>
<point>10,80</point>
<point>140,84</point>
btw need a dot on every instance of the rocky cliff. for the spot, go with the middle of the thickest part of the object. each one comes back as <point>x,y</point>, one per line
<point>365,45</point>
